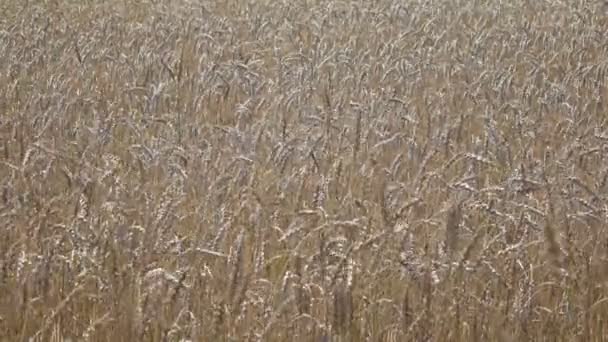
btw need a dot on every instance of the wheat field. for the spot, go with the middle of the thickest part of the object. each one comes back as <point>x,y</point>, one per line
<point>312,170</point>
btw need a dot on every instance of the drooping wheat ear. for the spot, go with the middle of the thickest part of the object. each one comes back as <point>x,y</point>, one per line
<point>454,216</point>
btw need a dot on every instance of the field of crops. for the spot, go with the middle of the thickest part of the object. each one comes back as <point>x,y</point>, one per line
<point>311,170</point>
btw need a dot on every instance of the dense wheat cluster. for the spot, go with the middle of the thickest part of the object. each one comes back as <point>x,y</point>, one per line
<point>314,170</point>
